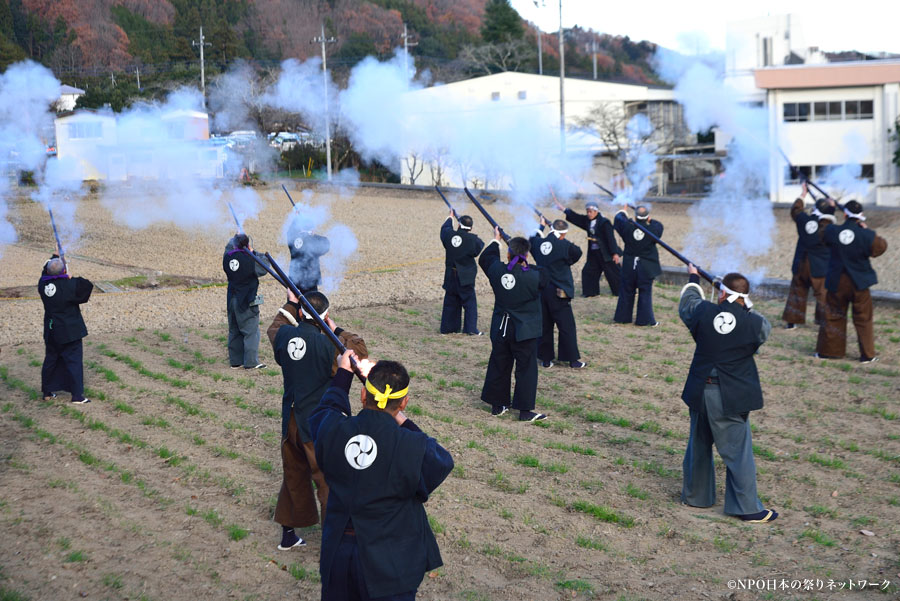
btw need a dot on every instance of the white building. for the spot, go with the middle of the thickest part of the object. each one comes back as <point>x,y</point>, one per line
<point>825,116</point>
<point>68,96</point>
<point>821,114</point>
<point>533,100</point>
<point>107,146</point>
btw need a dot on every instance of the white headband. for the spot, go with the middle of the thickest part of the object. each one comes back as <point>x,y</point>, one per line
<point>853,215</point>
<point>819,215</point>
<point>733,296</point>
<point>464,227</point>
<point>308,316</point>
<point>555,231</point>
<point>644,218</point>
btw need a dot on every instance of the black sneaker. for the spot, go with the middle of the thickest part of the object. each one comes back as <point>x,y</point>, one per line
<point>547,364</point>
<point>531,416</point>
<point>289,540</point>
<point>577,364</point>
<point>868,359</point>
<point>790,326</point>
<point>257,366</point>
<point>80,401</point>
<point>238,366</point>
<point>498,410</point>
<point>475,333</point>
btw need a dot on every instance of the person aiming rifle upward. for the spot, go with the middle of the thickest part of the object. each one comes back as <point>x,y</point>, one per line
<point>640,266</point>
<point>604,257</point>
<point>461,247</point>
<point>243,273</point>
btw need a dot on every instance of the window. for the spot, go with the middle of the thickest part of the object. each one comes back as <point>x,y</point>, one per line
<point>495,96</point>
<point>851,109</point>
<point>834,111</point>
<point>522,95</point>
<point>868,172</point>
<point>794,178</point>
<point>796,111</point>
<point>865,109</point>
<point>90,129</point>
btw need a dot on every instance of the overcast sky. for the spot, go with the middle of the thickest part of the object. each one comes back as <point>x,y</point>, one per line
<point>866,26</point>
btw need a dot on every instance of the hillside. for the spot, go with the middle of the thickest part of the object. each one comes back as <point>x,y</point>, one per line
<point>84,39</point>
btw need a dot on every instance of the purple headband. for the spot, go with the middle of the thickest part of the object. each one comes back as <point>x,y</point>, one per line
<point>47,278</point>
<point>515,260</point>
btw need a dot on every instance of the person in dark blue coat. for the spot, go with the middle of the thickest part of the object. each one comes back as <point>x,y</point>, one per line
<point>308,361</point>
<point>515,328</point>
<point>306,249</point>
<point>603,253</point>
<point>640,266</point>
<point>243,302</point>
<point>556,255</point>
<point>721,390</point>
<point>64,329</point>
<point>849,277</point>
<point>381,468</point>
<point>461,246</point>
<point>810,261</point>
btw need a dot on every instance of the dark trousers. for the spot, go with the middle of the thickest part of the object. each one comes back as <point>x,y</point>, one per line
<point>594,266</point>
<point>63,369</point>
<point>795,307</point>
<point>506,352</point>
<point>347,581</point>
<point>634,281</point>
<point>296,505</point>
<point>832,340</point>
<point>456,299</point>
<point>557,311</point>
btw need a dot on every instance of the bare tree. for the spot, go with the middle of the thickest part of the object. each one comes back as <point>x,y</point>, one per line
<point>436,165</point>
<point>609,122</point>
<point>414,166</point>
<point>494,57</point>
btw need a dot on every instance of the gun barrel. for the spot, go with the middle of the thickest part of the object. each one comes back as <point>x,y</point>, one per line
<point>236,222</point>
<point>286,281</point>
<point>604,189</point>
<point>487,216</point>
<point>62,253</point>
<point>805,178</point>
<point>705,274</point>
<point>293,204</point>
<point>538,213</point>
<point>447,202</point>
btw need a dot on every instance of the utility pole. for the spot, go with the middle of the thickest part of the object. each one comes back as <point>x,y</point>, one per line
<point>594,56</point>
<point>539,36</point>
<point>202,43</point>
<point>112,78</point>
<point>562,79</point>
<point>323,40</point>
<point>137,72</point>
<point>406,45</point>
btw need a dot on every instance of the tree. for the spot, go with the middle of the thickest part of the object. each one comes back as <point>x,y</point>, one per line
<point>609,121</point>
<point>501,23</point>
<point>414,166</point>
<point>495,57</point>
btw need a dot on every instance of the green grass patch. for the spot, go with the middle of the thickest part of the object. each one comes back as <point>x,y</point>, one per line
<point>632,491</point>
<point>573,448</point>
<point>602,513</point>
<point>590,543</point>
<point>833,463</point>
<point>819,537</point>
<point>76,556</point>
<point>237,533</point>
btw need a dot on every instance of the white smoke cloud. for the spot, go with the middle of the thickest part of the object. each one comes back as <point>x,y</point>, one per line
<point>735,222</point>
<point>334,264</point>
<point>27,91</point>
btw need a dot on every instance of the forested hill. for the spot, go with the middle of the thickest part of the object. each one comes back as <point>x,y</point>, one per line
<point>85,40</point>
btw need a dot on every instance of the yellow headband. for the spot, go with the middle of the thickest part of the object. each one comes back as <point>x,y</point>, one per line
<point>381,398</point>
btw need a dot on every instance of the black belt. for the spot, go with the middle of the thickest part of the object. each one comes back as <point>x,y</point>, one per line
<point>711,380</point>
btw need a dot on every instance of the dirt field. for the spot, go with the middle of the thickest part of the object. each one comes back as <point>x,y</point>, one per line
<point>163,488</point>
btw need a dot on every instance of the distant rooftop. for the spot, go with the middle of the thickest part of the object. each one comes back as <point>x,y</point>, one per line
<point>829,75</point>
<point>64,89</point>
